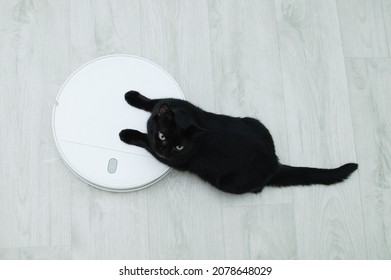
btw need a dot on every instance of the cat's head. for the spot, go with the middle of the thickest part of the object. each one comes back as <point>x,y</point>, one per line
<point>173,134</point>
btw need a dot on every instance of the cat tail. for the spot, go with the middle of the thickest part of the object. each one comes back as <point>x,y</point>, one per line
<point>290,176</point>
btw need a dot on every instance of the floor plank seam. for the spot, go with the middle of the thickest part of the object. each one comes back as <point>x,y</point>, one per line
<point>386,29</point>
<point>355,155</point>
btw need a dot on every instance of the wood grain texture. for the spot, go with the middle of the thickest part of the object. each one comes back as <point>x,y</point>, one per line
<point>370,85</point>
<point>103,27</point>
<point>106,225</point>
<point>45,253</point>
<point>33,55</point>
<point>386,9</point>
<point>363,28</point>
<point>184,212</point>
<point>329,221</point>
<point>247,76</point>
<point>9,254</point>
<point>118,225</point>
<point>260,232</point>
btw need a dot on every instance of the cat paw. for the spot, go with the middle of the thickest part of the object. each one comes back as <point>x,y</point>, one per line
<point>132,97</point>
<point>127,135</point>
<point>134,137</point>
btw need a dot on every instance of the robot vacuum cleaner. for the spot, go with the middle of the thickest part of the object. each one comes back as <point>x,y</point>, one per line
<point>90,111</point>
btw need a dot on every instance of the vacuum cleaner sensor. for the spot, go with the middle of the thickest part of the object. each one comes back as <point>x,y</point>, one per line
<point>90,111</point>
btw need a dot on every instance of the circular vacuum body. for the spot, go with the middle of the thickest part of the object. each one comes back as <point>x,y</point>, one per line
<point>90,111</point>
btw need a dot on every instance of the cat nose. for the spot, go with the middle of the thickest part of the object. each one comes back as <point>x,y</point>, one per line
<point>165,147</point>
<point>166,150</point>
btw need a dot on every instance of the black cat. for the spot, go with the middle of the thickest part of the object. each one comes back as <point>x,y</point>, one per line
<point>236,155</point>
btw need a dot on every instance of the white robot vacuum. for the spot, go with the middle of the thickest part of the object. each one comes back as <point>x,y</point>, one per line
<point>90,111</point>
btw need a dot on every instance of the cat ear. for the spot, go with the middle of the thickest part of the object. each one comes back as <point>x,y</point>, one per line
<point>164,110</point>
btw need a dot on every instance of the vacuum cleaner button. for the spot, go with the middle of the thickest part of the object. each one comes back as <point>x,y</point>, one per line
<point>112,166</point>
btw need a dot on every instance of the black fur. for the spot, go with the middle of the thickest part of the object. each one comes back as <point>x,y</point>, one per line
<point>236,155</point>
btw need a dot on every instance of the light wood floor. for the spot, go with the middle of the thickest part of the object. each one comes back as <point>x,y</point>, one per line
<point>317,73</point>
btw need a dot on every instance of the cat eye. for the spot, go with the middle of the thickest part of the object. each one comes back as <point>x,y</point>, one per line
<point>179,147</point>
<point>161,136</point>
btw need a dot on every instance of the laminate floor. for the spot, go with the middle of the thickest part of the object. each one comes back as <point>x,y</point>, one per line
<point>317,73</point>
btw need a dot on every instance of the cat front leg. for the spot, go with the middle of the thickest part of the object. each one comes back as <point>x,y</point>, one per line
<point>134,137</point>
<point>134,98</point>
